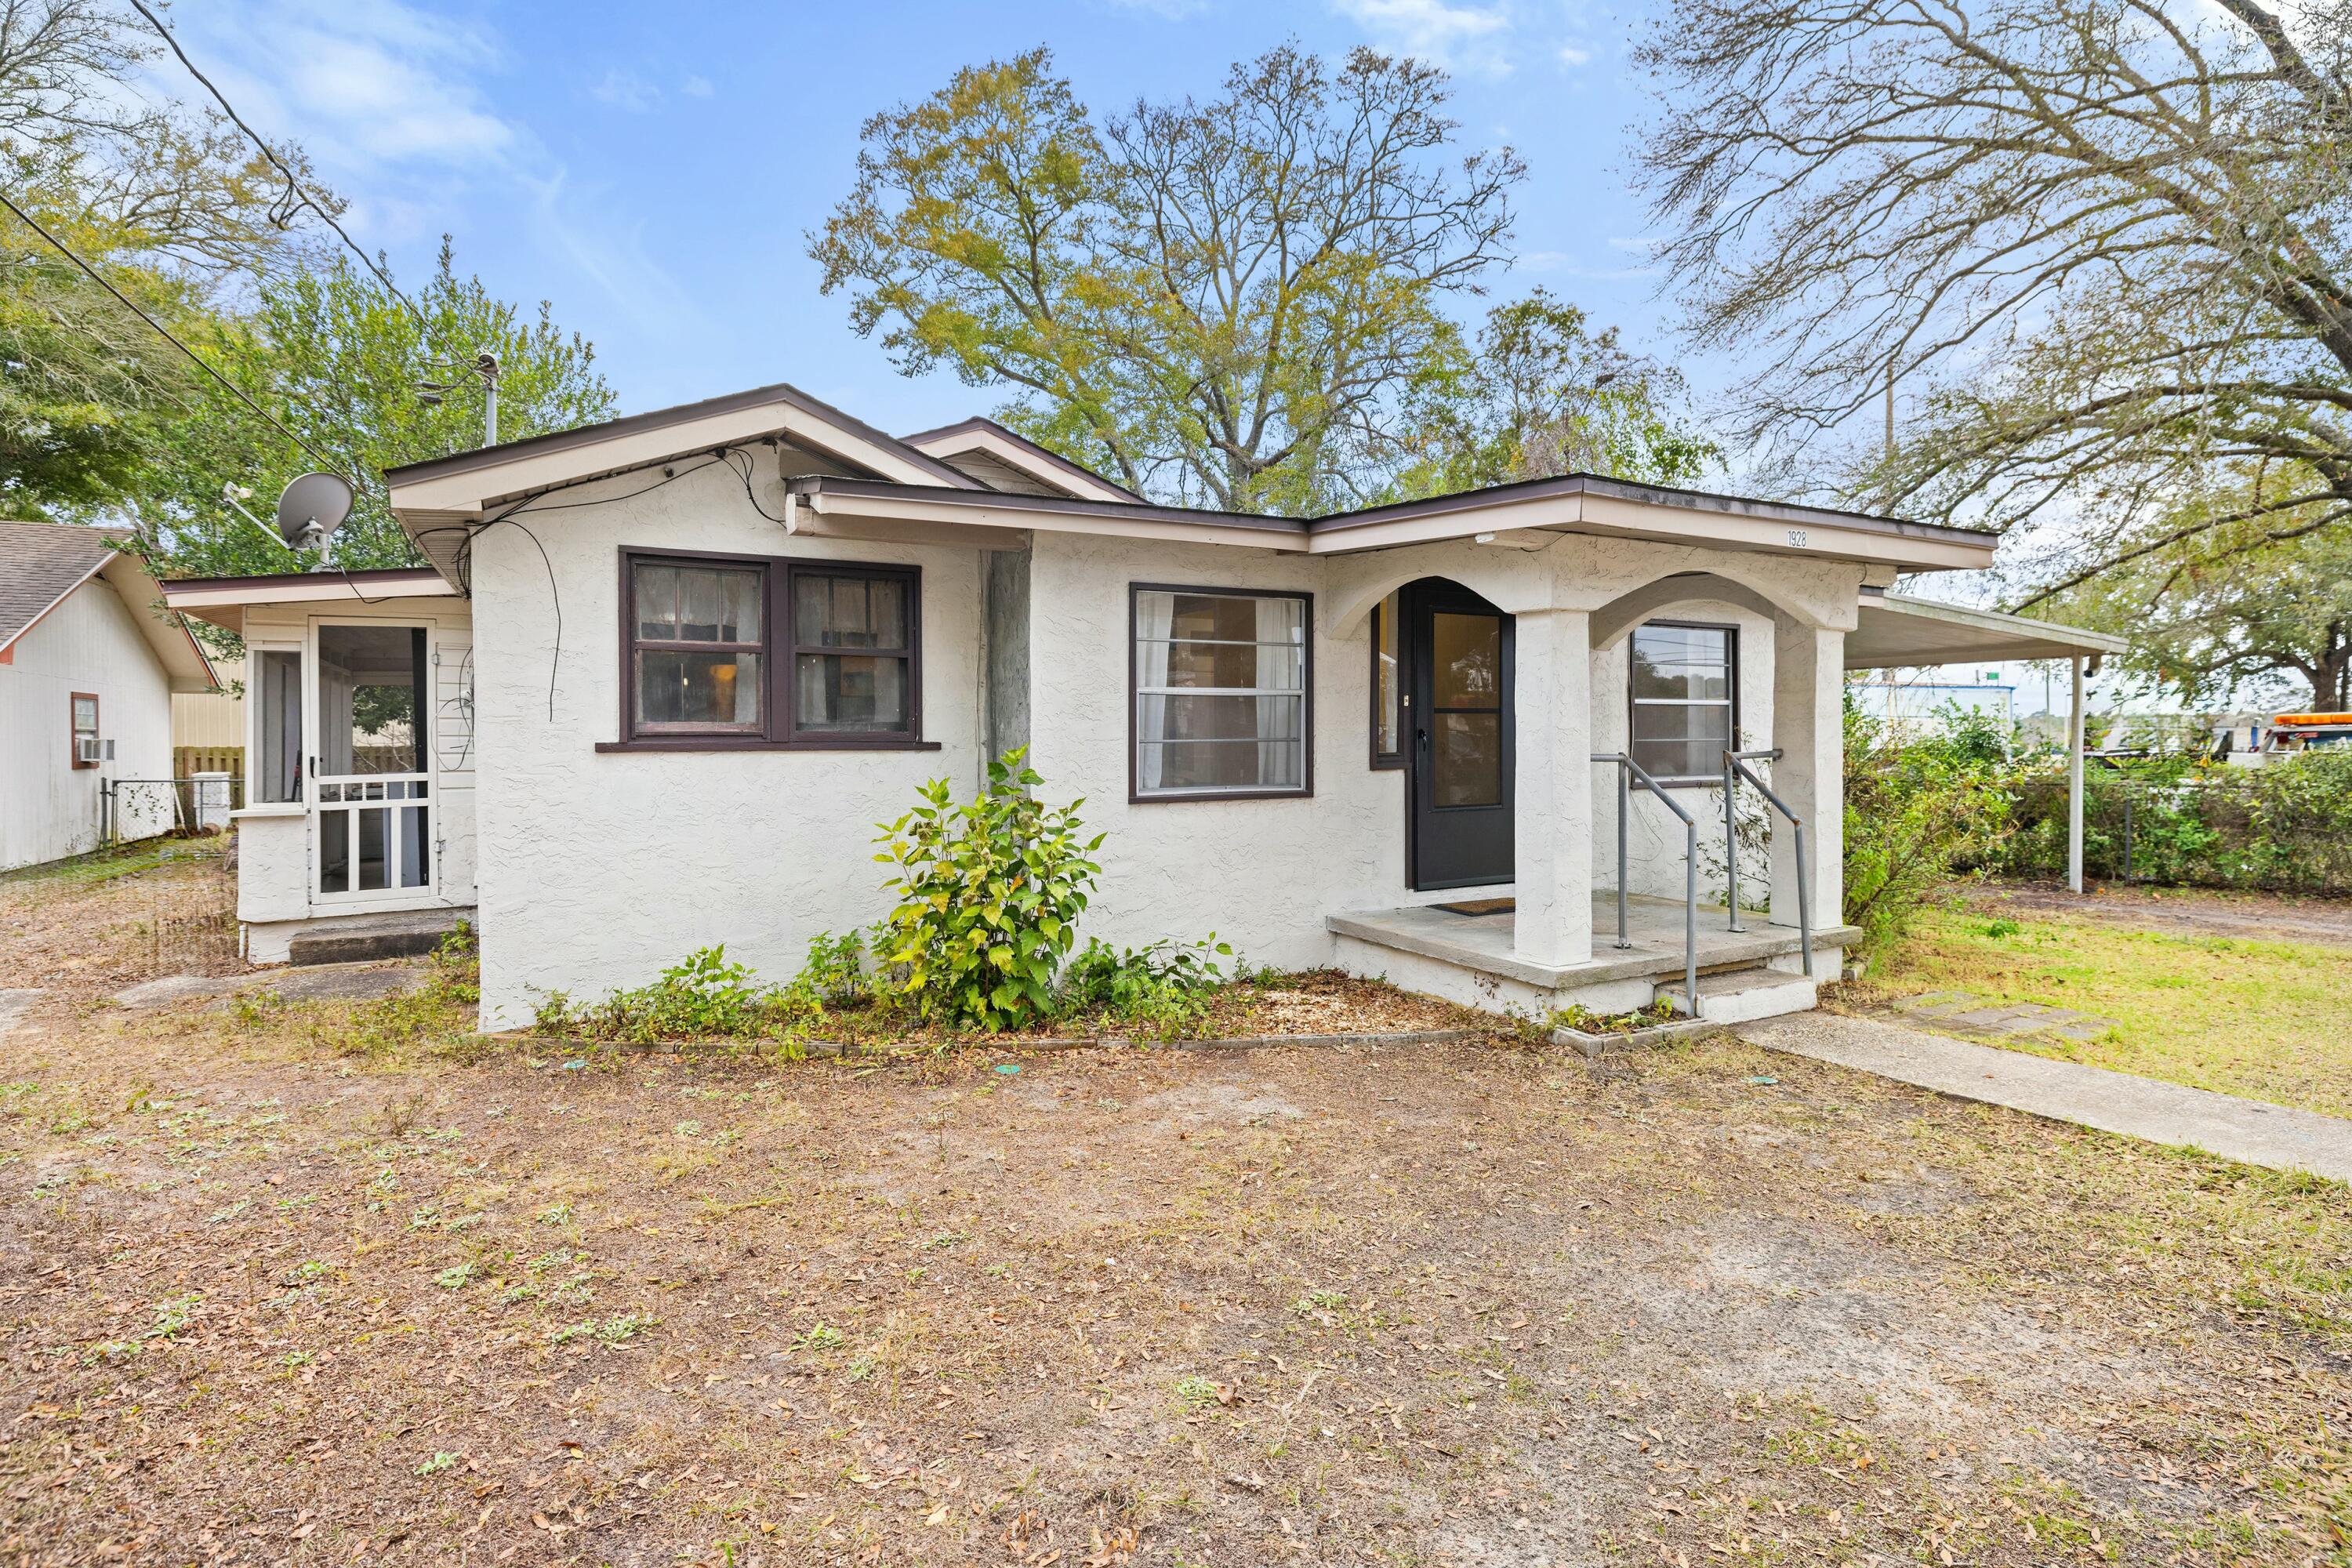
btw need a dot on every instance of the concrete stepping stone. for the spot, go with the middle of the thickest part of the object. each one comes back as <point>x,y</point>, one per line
<point>1969,1014</point>
<point>14,1005</point>
<point>171,988</point>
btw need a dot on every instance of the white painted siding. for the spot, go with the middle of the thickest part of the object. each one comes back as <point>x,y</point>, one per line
<point>274,896</point>
<point>49,808</point>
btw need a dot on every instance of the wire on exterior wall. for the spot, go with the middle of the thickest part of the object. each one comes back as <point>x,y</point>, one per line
<point>537,502</point>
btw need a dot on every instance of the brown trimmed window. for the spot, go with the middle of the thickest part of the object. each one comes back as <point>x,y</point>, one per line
<point>695,647</point>
<point>853,650</point>
<point>733,650</point>
<point>85,746</point>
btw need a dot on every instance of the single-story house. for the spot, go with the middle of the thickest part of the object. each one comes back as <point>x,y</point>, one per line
<point>664,675</point>
<point>89,659</point>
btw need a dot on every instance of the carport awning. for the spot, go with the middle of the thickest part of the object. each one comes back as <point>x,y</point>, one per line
<point>1899,631</point>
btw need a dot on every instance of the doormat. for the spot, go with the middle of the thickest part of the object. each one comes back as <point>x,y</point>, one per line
<point>1482,906</point>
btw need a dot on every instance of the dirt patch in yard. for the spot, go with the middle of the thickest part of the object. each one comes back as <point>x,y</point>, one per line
<point>2176,911</point>
<point>325,1281</point>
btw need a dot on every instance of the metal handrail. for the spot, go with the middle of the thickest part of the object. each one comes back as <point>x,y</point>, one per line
<point>1629,772</point>
<point>1734,768</point>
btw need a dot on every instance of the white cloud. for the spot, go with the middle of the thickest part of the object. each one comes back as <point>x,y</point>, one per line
<point>361,84</point>
<point>1457,37</point>
<point>1573,56</point>
<point>696,86</point>
<point>625,90</point>
<point>397,108</point>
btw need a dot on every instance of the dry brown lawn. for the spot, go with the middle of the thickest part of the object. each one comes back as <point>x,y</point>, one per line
<point>327,1283</point>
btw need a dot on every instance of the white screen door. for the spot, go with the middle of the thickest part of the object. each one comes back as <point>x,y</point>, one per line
<point>370,787</point>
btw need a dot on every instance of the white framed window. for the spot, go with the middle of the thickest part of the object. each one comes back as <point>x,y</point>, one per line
<point>1221,681</point>
<point>1686,685</point>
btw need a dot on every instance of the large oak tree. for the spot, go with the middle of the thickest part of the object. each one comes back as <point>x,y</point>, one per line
<point>1224,304</point>
<point>2104,246</point>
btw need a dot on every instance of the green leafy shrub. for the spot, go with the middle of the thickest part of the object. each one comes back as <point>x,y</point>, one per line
<point>989,897</point>
<point>1917,810</point>
<point>835,973</point>
<point>1160,988</point>
<point>2284,826</point>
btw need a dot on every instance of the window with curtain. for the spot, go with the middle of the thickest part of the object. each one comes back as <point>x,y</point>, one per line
<point>695,649</point>
<point>1387,684</point>
<point>1220,692</point>
<point>1685,683</point>
<point>728,651</point>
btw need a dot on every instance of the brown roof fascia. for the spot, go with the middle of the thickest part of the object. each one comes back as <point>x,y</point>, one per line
<point>659,419</point>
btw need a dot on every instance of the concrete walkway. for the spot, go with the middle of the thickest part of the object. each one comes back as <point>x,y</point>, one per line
<point>2245,1130</point>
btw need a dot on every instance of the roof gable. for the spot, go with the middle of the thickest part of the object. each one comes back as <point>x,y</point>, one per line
<point>1005,462</point>
<point>43,563</point>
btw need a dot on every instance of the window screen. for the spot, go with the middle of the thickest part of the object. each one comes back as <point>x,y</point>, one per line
<point>1683,691</point>
<point>1220,692</point>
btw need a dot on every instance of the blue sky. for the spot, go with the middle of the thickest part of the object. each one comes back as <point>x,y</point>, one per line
<point>651,169</point>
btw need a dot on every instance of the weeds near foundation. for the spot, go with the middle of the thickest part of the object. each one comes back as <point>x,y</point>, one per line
<point>437,1015</point>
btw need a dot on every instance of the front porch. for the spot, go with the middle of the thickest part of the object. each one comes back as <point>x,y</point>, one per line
<point>1474,959</point>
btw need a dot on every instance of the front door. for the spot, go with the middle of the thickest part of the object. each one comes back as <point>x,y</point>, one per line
<point>1460,714</point>
<point>371,785</point>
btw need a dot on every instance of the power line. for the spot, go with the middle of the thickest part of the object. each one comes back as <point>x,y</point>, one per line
<point>164,332</point>
<point>293,186</point>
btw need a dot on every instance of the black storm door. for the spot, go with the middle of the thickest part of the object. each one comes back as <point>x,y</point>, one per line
<point>1461,752</point>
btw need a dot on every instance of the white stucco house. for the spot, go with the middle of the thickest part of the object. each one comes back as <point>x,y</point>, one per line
<point>665,676</point>
<point>89,659</point>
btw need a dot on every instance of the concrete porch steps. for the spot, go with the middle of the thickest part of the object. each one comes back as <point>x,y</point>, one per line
<point>363,937</point>
<point>1744,995</point>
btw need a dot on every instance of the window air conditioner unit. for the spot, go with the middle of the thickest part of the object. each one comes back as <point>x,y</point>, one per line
<point>85,749</point>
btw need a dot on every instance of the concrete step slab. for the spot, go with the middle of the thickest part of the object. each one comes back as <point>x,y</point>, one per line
<point>362,939</point>
<point>1744,995</point>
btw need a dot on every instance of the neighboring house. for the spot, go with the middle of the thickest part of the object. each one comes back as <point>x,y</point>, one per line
<point>90,660</point>
<point>665,675</point>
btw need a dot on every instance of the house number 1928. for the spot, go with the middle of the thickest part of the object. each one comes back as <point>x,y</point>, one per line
<point>1796,539</point>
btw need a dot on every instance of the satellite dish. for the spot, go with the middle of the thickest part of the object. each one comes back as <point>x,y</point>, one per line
<point>312,508</point>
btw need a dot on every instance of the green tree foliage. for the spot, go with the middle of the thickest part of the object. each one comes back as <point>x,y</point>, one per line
<point>1223,303</point>
<point>338,360</point>
<point>990,894</point>
<point>1917,808</point>
<point>1539,395</point>
<point>175,209</point>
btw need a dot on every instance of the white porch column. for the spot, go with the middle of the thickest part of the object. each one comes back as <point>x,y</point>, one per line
<point>1553,838</point>
<point>1808,726</point>
<point>2074,781</point>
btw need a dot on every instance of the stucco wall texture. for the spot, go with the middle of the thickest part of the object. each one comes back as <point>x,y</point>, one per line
<point>599,870</point>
